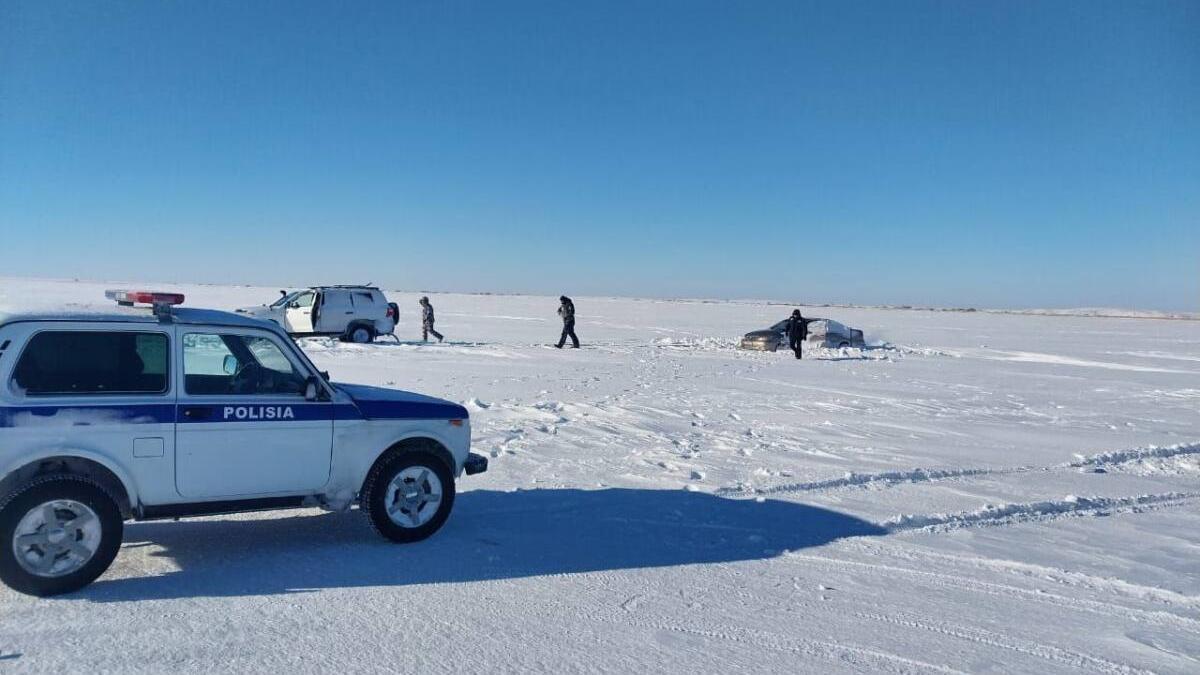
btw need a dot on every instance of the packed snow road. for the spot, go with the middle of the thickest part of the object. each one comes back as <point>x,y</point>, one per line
<point>974,493</point>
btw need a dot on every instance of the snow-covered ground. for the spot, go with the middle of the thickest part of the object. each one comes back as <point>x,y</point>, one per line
<point>978,492</point>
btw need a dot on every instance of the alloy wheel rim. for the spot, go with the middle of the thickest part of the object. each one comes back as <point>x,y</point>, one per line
<point>56,538</point>
<point>414,496</point>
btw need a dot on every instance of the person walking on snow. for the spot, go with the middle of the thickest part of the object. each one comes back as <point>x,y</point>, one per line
<point>427,321</point>
<point>797,331</point>
<point>566,310</point>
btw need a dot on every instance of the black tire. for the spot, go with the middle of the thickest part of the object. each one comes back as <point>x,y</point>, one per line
<point>843,344</point>
<point>47,489</point>
<point>353,330</point>
<point>375,496</point>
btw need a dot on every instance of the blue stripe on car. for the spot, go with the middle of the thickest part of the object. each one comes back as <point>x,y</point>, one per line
<point>220,412</point>
<point>87,415</point>
<point>411,410</point>
<point>213,412</point>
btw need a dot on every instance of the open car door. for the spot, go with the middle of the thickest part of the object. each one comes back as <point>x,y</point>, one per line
<point>299,313</point>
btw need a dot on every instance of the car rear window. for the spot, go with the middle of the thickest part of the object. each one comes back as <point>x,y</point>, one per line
<point>92,362</point>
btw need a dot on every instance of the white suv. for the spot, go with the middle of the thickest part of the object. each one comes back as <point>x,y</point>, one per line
<point>136,414</point>
<point>352,313</point>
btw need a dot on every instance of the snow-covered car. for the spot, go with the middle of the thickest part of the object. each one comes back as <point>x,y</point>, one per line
<point>130,413</point>
<point>352,313</point>
<point>821,333</point>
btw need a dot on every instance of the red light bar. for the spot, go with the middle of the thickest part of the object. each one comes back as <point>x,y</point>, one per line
<point>145,298</point>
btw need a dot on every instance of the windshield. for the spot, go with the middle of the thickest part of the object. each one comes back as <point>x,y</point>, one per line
<point>285,299</point>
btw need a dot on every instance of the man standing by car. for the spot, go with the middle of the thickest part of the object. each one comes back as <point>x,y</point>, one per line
<point>797,332</point>
<point>427,321</point>
<point>566,310</point>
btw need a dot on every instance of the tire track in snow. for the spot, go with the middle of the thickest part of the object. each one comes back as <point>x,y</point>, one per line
<point>983,638</point>
<point>1114,458</point>
<point>1108,585</point>
<point>862,479</point>
<point>872,659</point>
<point>945,581</point>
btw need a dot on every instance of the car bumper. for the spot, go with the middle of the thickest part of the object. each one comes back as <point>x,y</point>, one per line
<point>759,345</point>
<point>475,464</point>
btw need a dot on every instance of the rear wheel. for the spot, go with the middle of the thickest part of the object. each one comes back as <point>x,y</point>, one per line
<point>409,497</point>
<point>843,344</point>
<point>57,535</point>
<point>361,334</point>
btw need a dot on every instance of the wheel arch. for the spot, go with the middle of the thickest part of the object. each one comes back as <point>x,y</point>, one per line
<point>75,463</point>
<point>417,443</point>
<point>360,323</point>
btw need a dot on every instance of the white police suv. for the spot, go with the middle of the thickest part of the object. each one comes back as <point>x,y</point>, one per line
<point>162,412</point>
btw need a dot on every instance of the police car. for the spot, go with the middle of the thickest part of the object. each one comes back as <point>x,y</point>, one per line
<point>162,412</point>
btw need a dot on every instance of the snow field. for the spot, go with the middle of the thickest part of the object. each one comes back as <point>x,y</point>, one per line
<point>976,492</point>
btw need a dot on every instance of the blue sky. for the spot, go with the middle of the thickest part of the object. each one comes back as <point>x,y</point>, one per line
<point>957,153</point>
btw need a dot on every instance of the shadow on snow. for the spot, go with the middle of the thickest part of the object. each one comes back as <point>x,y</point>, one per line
<point>491,535</point>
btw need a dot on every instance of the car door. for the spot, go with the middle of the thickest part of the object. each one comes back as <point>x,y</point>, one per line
<point>336,311</point>
<point>243,426</point>
<point>298,313</point>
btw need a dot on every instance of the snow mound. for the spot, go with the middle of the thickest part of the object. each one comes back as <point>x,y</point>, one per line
<point>696,344</point>
<point>851,479</point>
<point>1007,514</point>
<point>476,404</point>
<point>1183,458</point>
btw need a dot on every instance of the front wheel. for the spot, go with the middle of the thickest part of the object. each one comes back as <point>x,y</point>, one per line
<point>409,497</point>
<point>361,335</point>
<point>57,535</point>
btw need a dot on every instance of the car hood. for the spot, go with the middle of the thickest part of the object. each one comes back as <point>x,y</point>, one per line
<point>760,334</point>
<point>381,403</point>
<point>257,310</point>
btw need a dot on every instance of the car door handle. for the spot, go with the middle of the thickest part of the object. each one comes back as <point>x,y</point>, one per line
<point>197,413</point>
<point>350,312</point>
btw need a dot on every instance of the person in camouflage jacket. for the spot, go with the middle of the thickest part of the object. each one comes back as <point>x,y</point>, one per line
<point>427,321</point>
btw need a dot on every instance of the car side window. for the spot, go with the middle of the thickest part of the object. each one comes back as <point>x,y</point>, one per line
<point>336,300</point>
<point>238,365</point>
<point>304,300</point>
<point>62,362</point>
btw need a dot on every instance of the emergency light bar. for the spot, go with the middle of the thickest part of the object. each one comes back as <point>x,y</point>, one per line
<point>161,302</point>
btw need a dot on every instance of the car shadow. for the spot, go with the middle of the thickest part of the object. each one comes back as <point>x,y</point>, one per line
<point>491,535</point>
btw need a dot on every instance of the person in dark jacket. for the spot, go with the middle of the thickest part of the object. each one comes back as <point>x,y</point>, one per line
<point>566,310</point>
<point>427,321</point>
<point>797,332</point>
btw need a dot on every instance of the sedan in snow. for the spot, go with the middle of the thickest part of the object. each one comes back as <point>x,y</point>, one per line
<point>821,333</point>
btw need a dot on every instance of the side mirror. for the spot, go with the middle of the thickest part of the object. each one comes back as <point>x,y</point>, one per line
<point>325,374</point>
<point>293,305</point>
<point>229,365</point>
<point>312,389</point>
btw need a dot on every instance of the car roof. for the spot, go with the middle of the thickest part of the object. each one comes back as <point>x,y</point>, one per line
<point>809,319</point>
<point>346,288</point>
<point>141,315</point>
